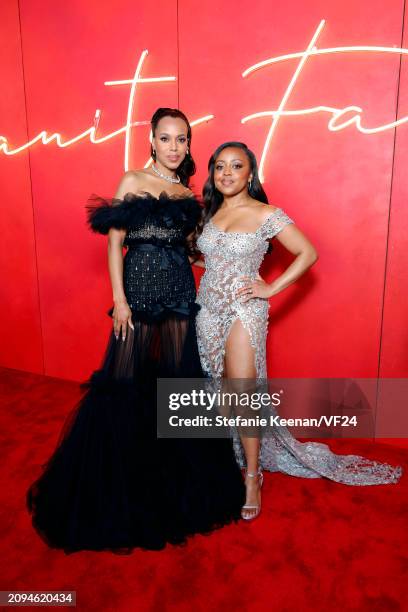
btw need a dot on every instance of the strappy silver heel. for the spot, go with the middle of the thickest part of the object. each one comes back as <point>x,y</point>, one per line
<point>256,507</point>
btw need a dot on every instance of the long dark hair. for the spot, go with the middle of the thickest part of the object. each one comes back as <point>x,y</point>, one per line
<point>187,167</point>
<point>214,198</point>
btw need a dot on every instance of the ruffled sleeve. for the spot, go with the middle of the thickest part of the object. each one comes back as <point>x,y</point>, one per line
<point>104,214</point>
<point>274,224</point>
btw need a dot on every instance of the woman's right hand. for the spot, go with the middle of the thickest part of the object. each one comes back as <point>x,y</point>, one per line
<point>122,317</point>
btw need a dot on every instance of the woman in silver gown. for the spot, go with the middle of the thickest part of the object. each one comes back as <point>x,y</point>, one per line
<point>233,319</point>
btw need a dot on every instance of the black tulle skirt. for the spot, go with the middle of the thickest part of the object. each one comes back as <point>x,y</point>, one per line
<point>111,484</point>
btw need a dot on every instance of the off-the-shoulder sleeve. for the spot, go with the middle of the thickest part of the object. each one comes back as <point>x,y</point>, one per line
<point>274,224</point>
<point>104,214</point>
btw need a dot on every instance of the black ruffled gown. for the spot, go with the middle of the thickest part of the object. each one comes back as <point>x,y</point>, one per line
<point>111,484</point>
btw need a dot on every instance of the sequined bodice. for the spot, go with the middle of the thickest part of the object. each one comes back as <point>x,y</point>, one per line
<point>157,275</point>
<point>229,256</point>
<point>156,265</point>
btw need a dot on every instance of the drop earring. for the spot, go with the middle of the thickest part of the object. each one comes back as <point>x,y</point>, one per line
<point>250,185</point>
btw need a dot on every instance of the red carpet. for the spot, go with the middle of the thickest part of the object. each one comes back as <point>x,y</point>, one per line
<point>318,545</point>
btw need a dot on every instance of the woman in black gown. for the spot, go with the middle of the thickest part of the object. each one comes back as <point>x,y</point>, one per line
<point>111,484</point>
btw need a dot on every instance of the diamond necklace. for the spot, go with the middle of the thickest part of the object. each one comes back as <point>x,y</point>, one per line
<point>164,176</point>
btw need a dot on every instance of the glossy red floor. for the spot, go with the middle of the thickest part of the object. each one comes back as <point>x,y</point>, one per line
<point>316,546</point>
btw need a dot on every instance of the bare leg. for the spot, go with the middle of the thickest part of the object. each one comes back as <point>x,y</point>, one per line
<point>240,364</point>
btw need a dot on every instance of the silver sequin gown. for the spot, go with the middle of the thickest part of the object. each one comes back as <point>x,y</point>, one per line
<point>228,257</point>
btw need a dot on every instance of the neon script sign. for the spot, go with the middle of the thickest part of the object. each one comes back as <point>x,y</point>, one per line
<point>46,138</point>
<point>341,118</point>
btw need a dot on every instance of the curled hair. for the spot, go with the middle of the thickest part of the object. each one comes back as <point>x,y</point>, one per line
<point>187,167</point>
<point>214,198</point>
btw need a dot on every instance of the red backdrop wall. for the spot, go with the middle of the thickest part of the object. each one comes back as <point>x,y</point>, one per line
<point>345,189</point>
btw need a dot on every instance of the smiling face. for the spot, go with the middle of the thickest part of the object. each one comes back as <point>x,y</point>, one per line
<point>232,171</point>
<point>170,142</point>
